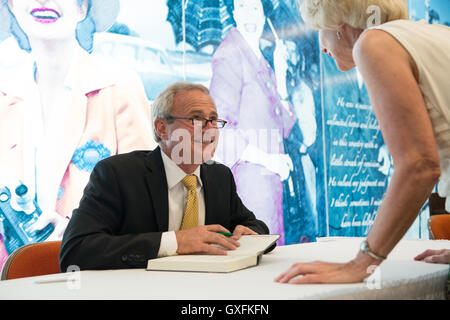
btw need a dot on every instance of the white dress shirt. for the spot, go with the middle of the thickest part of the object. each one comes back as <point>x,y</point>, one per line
<point>177,193</point>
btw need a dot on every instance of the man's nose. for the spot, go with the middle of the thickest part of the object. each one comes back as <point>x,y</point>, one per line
<point>208,125</point>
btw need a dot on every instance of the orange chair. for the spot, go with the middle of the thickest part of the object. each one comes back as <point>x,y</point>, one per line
<point>439,226</point>
<point>35,259</point>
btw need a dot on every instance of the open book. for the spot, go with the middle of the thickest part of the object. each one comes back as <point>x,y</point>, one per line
<point>248,254</point>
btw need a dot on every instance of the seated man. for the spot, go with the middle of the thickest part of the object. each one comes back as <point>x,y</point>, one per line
<point>148,204</point>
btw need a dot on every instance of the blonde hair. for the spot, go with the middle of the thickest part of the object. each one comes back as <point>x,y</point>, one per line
<point>162,106</point>
<point>360,14</point>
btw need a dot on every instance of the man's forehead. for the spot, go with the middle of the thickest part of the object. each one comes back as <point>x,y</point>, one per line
<point>194,101</point>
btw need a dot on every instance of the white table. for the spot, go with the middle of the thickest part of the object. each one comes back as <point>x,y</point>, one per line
<point>399,277</point>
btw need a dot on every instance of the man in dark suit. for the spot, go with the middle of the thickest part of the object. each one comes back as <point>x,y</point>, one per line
<point>139,206</point>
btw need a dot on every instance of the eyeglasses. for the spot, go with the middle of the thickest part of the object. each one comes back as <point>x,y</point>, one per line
<point>216,123</point>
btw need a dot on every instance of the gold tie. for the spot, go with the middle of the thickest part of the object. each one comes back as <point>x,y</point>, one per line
<point>190,218</point>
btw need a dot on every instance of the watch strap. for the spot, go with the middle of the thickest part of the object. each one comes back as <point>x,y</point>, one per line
<point>366,249</point>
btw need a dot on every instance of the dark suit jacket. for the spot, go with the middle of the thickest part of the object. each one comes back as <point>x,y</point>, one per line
<point>124,210</point>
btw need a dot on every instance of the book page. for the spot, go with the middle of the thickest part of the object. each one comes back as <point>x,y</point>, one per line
<point>202,263</point>
<point>199,258</point>
<point>253,244</point>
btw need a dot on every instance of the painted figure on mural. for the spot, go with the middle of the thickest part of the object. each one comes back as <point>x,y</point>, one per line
<point>252,97</point>
<point>62,111</point>
<point>302,189</point>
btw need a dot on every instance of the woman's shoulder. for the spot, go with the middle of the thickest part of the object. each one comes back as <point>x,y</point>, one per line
<point>376,43</point>
<point>385,30</point>
<point>403,31</point>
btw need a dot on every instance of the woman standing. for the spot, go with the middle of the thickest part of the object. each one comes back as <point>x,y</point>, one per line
<point>405,66</point>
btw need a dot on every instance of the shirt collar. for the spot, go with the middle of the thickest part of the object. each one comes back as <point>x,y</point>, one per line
<point>174,174</point>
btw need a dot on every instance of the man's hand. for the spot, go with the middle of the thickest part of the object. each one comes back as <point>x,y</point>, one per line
<point>240,231</point>
<point>202,240</point>
<point>434,256</point>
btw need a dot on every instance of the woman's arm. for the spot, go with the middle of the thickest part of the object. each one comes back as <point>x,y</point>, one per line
<point>389,74</point>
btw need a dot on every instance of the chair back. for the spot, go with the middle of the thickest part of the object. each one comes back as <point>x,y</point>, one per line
<point>439,226</point>
<point>437,204</point>
<point>35,259</point>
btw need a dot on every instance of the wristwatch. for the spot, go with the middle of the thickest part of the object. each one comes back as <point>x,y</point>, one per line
<point>365,249</point>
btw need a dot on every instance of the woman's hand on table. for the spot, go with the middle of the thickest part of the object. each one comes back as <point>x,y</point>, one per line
<point>434,256</point>
<point>353,271</point>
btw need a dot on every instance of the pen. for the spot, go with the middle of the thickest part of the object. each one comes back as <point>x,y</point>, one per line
<point>54,281</point>
<point>226,234</point>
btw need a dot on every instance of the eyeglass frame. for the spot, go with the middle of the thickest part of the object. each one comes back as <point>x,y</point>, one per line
<point>197,118</point>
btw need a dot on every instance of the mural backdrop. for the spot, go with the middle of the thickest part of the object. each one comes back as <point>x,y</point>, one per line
<point>302,140</point>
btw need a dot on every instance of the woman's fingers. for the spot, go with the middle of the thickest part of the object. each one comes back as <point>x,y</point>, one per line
<point>322,272</point>
<point>425,254</point>
<point>296,270</point>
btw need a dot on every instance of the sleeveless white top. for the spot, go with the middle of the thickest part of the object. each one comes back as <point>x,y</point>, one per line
<point>429,47</point>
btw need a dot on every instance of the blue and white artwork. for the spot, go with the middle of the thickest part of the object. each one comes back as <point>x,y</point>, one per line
<point>357,166</point>
<point>334,167</point>
<point>432,11</point>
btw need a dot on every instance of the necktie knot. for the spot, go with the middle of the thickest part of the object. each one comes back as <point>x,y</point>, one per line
<point>190,182</point>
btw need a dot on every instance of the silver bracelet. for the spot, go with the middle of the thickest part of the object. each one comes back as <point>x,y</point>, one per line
<point>365,249</point>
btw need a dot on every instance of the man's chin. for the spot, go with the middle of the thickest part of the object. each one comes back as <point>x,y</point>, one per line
<point>206,154</point>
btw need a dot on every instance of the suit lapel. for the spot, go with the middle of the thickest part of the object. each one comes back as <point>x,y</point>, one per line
<point>157,184</point>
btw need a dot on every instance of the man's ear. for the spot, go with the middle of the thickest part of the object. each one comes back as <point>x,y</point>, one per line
<point>161,128</point>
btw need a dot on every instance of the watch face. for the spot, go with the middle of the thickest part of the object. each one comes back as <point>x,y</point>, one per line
<point>363,246</point>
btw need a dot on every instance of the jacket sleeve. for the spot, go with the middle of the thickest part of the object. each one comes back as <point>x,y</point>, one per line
<point>93,240</point>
